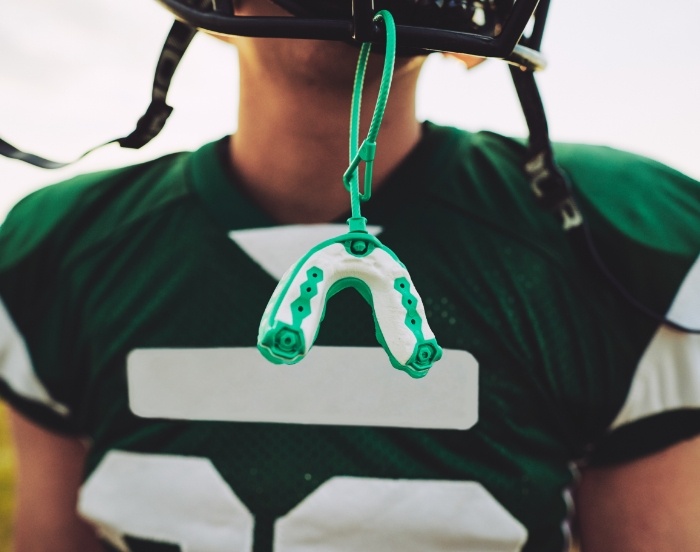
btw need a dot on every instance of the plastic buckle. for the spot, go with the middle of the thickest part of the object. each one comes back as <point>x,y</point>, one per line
<point>363,20</point>
<point>552,189</point>
<point>570,214</point>
<point>366,153</point>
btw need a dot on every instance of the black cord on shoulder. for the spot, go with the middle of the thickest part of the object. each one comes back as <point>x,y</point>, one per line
<point>152,121</point>
<point>554,193</point>
<point>584,239</point>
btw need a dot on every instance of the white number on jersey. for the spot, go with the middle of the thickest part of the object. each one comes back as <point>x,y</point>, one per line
<point>185,501</point>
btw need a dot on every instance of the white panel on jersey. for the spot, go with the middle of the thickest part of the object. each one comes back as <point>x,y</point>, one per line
<point>348,514</point>
<point>668,375</point>
<point>686,306</point>
<point>172,499</point>
<point>276,249</point>
<point>184,501</point>
<point>16,366</point>
<point>334,385</point>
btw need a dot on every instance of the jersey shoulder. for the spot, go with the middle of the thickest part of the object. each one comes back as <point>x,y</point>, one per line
<point>642,214</point>
<point>643,218</point>
<point>643,199</point>
<point>40,309</point>
<point>80,212</point>
<point>640,198</point>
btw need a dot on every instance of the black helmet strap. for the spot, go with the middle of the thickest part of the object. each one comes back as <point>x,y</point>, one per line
<point>151,122</point>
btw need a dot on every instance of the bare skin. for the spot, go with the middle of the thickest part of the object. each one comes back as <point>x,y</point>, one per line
<point>50,471</point>
<point>291,147</point>
<point>648,505</point>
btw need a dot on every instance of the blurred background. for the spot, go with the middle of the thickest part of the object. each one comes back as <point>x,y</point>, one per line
<point>77,73</point>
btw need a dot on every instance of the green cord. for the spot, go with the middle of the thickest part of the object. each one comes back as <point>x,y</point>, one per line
<point>367,149</point>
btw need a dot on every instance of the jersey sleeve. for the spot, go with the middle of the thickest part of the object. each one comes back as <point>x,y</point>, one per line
<point>663,403</point>
<point>39,323</point>
<point>645,219</point>
<point>48,340</point>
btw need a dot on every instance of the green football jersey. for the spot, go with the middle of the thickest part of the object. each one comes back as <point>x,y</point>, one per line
<point>130,305</point>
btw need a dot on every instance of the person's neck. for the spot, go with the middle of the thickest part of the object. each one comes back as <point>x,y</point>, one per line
<point>291,147</point>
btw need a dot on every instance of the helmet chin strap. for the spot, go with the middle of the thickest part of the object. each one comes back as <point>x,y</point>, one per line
<point>552,188</point>
<point>157,113</point>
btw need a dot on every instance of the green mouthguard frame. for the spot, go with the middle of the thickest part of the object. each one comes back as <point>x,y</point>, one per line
<point>357,259</point>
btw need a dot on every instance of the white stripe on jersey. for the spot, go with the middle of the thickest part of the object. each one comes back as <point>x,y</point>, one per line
<point>354,386</point>
<point>668,375</point>
<point>16,366</point>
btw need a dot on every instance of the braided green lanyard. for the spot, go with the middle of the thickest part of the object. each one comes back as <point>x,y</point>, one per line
<point>366,151</point>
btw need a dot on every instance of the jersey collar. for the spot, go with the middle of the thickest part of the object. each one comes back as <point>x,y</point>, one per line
<point>215,182</point>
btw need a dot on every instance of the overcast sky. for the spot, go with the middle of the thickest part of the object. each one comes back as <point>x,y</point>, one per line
<point>78,72</point>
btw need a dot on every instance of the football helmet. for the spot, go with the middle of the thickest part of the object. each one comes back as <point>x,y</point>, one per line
<point>487,28</point>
